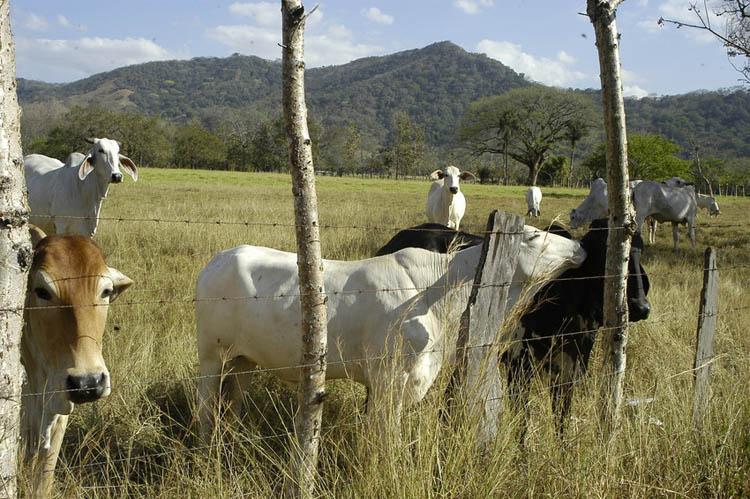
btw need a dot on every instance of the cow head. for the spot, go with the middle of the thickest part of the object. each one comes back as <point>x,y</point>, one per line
<point>104,157</point>
<point>595,242</point>
<point>451,177</point>
<point>596,205</point>
<point>70,288</point>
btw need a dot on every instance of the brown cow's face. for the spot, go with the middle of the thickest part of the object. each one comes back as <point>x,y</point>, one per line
<point>70,288</point>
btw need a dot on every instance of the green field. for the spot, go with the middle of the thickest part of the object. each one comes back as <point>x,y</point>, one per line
<point>140,441</point>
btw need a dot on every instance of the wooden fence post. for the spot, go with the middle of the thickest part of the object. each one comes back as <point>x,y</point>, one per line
<point>476,383</point>
<point>704,348</point>
<point>15,257</point>
<point>311,387</point>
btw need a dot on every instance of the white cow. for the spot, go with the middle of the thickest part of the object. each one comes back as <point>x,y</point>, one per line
<point>709,204</point>
<point>666,204</point>
<point>70,288</point>
<point>675,182</point>
<point>595,206</point>
<point>67,197</point>
<point>389,317</point>
<point>533,200</point>
<point>446,203</point>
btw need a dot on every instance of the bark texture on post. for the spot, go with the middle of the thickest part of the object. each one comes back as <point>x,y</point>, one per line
<point>15,257</point>
<point>311,388</point>
<point>704,344</point>
<point>477,376</point>
<point>602,15</point>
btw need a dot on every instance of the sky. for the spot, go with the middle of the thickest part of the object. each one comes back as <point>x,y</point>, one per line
<point>549,41</point>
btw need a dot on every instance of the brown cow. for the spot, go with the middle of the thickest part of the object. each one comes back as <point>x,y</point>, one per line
<point>70,288</point>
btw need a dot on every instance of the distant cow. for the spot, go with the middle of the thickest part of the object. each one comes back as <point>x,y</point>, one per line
<point>666,204</point>
<point>67,198</point>
<point>709,204</point>
<point>70,288</point>
<point>533,200</point>
<point>595,206</point>
<point>558,331</point>
<point>389,317</point>
<point>446,203</point>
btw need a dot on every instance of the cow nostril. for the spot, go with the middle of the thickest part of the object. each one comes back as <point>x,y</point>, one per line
<point>116,178</point>
<point>454,190</point>
<point>86,387</point>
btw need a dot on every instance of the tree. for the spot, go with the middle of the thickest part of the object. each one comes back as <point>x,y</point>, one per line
<point>196,147</point>
<point>312,375</point>
<point>601,13</point>
<point>650,157</point>
<point>736,34</point>
<point>408,145</point>
<point>526,123</point>
<point>15,257</point>
<point>575,131</point>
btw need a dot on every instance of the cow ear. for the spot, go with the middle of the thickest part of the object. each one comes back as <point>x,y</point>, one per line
<point>37,235</point>
<point>121,282</point>
<point>129,167</point>
<point>436,175</point>
<point>87,166</point>
<point>467,176</point>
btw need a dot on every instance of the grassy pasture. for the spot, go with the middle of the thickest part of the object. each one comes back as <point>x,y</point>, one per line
<point>140,443</point>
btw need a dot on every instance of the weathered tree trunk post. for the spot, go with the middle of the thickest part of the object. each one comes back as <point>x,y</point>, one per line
<point>477,378</point>
<point>602,16</point>
<point>15,257</point>
<point>311,388</point>
<point>704,348</point>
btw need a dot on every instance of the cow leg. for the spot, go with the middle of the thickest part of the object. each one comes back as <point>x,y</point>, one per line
<point>43,464</point>
<point>562,396</point>
<point>691,231</point>
<point>233,385</point>
<point>384,406</point>
<point>675,234</point>
<point>209,391</point>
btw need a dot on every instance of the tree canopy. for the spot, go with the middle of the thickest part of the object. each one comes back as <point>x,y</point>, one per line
<point>525,123</point>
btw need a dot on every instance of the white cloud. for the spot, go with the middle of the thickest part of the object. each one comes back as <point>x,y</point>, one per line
<point>261,13</point>
<point>34,22</point>
<point>557,72</point>
<point>634,91</point>
<point>472,6</point>
<point>375,15</point>
<point>66,60</point>
<point>325,43</point>
<point>65,23</point>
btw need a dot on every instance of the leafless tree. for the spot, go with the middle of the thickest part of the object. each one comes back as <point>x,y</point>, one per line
<point>735,34</point>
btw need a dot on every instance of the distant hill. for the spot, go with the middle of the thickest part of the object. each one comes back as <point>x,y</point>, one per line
<point>433,85</point>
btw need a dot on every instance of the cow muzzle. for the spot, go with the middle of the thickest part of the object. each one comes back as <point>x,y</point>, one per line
<point>86,387</point>
<point>638,311</point>
<point>116,178</point>
<point>454,190</point>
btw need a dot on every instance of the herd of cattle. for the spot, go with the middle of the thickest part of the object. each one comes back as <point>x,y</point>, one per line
<point>416,292</point>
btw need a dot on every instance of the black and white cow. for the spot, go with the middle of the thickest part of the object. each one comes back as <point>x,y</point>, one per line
<point>558,331</point>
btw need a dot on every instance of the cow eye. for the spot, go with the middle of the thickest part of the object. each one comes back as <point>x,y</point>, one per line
<point>101,151</point>
<point>42,294</point>
<point>108,292</point>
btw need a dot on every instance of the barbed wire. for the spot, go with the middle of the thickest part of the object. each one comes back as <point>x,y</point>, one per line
<point>504,344</point>
<point>249,223</point>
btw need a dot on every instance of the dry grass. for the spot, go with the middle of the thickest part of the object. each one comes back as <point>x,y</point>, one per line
<point>140,441</point>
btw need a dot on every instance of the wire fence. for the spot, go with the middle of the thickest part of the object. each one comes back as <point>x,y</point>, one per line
<point>283,435</point>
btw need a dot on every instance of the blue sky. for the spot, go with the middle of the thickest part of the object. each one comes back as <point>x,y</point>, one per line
<point>547,40</point>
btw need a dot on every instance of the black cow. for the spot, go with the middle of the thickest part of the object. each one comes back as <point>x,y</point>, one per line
<point>559,330</point>
<point>430,236</point>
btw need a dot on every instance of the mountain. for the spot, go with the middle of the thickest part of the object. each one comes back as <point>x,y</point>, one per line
<point>433,85</point>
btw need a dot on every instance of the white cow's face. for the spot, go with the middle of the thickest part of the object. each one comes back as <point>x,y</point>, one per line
<point>451,177</point>
<point>105,160</point>
<point>543,253</point>
<point>596,205</point>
